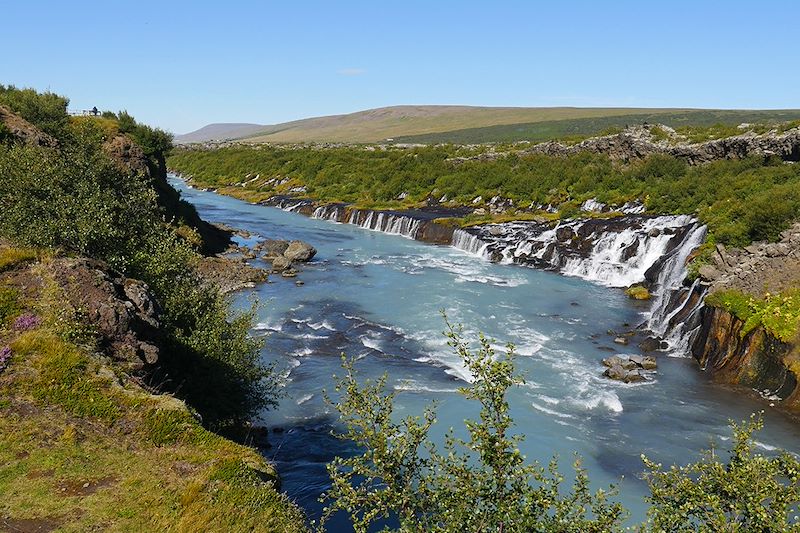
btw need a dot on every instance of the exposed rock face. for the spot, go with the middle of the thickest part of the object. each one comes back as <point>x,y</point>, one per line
<point>271,248</point>
<point>638,142</point>
<point>230,274</point>
<point>127,154</point>
<point>756,360</point>
<point>281,263</point>
<point>299,251</point>
<point>122,310</point>
<point>758,267</point>
<point>24,130</point>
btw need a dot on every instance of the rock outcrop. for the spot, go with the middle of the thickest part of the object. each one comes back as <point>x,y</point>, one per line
<point>230,274</point>
<point>121,310</point>
<point>756,360</point>
<point>638,142</point>
<point>24,130</point>
<point>629,369</point>
<point>756,268</point>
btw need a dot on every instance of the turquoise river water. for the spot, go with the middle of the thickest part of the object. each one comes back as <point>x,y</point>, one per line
<point>378,297</point>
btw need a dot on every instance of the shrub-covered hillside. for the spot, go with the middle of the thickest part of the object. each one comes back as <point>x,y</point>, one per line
<point>102,312</point>
<point>740,200</point>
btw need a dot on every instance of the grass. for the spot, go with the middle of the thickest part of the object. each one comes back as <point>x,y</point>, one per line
<point>81,451</point>
<point>11,257</point>
<point>778,314</point>
<point>10,306</point>
<point>694,123</point>
<point>409,123</point>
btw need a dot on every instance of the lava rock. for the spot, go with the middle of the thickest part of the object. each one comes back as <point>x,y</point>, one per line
<point>299,251</point>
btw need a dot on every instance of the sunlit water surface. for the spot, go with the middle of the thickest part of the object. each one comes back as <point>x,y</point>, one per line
<point>378,297</point>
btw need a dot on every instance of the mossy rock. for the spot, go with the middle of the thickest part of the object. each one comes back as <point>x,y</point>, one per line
<point>638,292</point>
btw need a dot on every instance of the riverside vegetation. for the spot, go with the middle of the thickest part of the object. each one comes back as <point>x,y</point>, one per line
<point>86,443</point>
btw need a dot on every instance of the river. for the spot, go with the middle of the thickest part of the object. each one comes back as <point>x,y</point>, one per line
<point>378,297</point>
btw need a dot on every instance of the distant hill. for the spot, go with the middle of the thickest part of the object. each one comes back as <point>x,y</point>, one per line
<point>220,132</point>
<point>465,124</point>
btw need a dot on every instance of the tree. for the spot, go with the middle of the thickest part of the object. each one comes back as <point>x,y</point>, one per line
<point>481,484</point>
<point>748,493</point>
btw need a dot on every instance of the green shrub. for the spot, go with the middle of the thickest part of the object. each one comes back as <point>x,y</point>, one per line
<point>779,314</point>
<point>75,198</point>
<point>740,200</point>
<point>748,492</point>
<point>478,484</point>
<point>48,111</point>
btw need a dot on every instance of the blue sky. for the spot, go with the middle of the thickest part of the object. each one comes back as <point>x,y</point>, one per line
<point>181,65</point>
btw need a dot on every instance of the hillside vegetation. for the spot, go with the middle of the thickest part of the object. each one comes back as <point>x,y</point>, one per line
<point>103,315</point>
<point>467,125</point>
<point>581,128</point>
<point>376,125</point>
<point>740,200</point>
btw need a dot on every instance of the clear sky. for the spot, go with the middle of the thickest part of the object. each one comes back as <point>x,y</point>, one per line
<point>182,64</point>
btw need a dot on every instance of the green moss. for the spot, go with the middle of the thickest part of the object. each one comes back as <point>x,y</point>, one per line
<point>167,426</point>
<point>638,292</point>
<point>64,377</point>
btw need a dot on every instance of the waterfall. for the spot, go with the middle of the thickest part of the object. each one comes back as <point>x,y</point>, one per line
<point>621,259</point>
<point>327,212</point>
<point>616,252</point>
<point>386,222</point>
<point>673,299</point>
<point>468,242</point>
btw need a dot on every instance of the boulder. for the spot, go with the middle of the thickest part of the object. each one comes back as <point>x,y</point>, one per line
<point>616,360</point>
<point>709,273</point>
<point>615,372</point>
<point>634,376</point>
<point>650,344</point>
<point>272,248</point>
<point>299,251</point>
<point>281,263</point>
<point>647,362</point>
<point>621,340</point>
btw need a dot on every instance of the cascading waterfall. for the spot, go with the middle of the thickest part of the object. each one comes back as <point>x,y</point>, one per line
<point>393,223</point>
<point>469,243</point>
<point>616,252</point>
<point>673,298</point>
<point>327,212</point>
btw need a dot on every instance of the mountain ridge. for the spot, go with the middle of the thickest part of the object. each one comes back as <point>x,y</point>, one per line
<point>437,123</point>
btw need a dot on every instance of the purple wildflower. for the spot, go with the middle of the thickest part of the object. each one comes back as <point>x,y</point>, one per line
<point>26,321</point>
<point>5,357</point>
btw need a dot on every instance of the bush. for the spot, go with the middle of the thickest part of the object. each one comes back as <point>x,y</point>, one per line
<point>48,111</point>
<point>749,492</point>
<point>76,198</point>
<point>479,484</point>
<point>740,200</point>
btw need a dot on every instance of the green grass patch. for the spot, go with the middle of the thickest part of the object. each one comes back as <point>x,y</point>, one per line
<point>779,314</point>
<point>65,377</point>
<point>168,426</point>
<point>10,306</point>
<point>12,257</point>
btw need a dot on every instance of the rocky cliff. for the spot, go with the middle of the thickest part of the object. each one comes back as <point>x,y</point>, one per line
<point>638,142</point>
<point>756,359</point>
